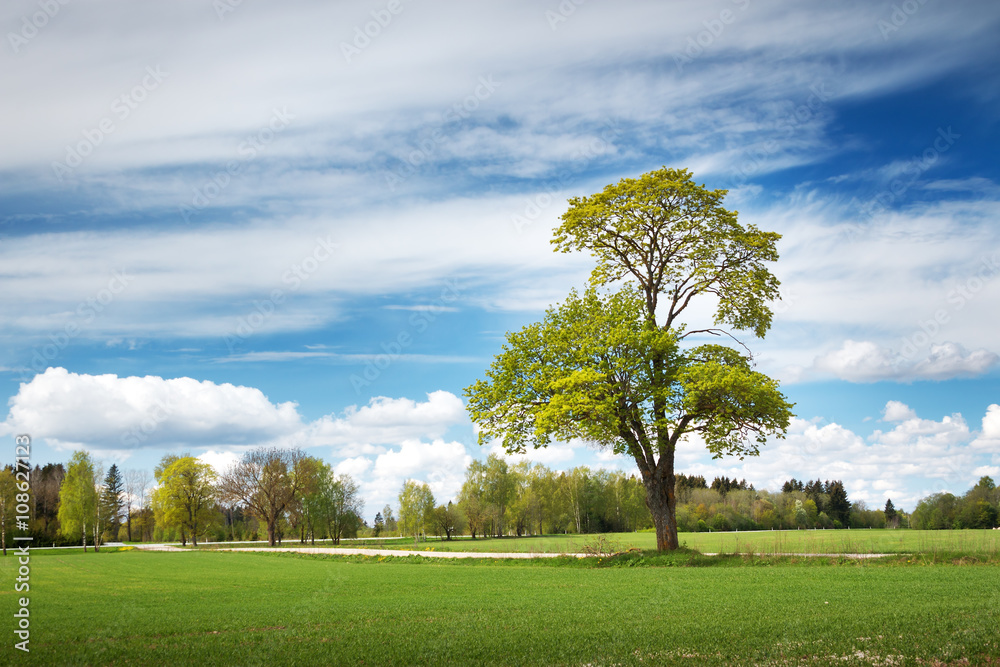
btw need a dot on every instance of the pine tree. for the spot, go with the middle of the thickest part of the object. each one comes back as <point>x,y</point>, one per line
<point>891,517</point>
<point>839,508</point>
<point>111,500</point>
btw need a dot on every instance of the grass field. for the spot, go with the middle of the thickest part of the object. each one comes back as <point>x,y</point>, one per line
<point>979,542</point>
<point>279,608</point>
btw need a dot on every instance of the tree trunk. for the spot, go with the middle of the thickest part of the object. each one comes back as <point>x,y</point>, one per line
<point>128,523</point>
<point>270,533</point>
<point>662,503</point>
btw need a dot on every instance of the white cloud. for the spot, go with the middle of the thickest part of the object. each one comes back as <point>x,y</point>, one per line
<point>439,464</point>
<point>386,421</point>
<point>858,361</point>
<point>355,467</point>
<point>112,416</point>
<point>865,361</point>
<point>221,462</point>
<point>991,422</point>
<point>950,360</point>
<point>989,436</point>
<point>107,412</point>
<point>926,433</point>
<point>895,411</point>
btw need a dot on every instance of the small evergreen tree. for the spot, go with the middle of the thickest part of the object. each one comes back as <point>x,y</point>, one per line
<point>839,507</point>
<point>891,517</point>
<point>111,501</point>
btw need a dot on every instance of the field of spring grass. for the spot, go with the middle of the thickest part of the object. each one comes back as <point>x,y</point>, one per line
<point>977,542</point>
<point>132,607</point>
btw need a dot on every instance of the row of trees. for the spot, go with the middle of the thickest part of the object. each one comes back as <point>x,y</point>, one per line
<point>500,499</point>
<point>276,490</point>
<point>978,508</point>
<point>279,493</point>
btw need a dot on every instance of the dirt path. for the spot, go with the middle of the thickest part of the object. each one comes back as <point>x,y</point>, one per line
<point>465,554</point>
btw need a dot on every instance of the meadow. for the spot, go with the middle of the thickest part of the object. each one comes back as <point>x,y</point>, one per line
<point>212,607</point>
<point>978,542</point>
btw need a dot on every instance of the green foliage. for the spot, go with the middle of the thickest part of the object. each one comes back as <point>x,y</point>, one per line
<point>609,366</point>
<point>78,497</point>
<point>978,508</point>
<point>185,498</point>
<point>334,502</point>
<point>416,508</point>
<point>587,371</point>
<point>268,482</point>
<point>111,500</point>
<point>677,241</point>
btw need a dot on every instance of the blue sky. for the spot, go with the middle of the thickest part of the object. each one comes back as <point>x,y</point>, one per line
<point>226,224</point>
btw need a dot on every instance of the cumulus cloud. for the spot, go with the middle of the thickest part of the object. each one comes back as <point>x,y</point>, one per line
<point>925,433</point>
<point>858,361</point>
<point>950,360</point>
<point>439,464</point>
<point>386,420</point>
<point>989,436</point>
<point>896,411</point>
<point>354,467</point>
<point>991,422</point>
<point>107,412</point>
<point>221,462</point>
<point>866,361</point>
<point>117,415</point>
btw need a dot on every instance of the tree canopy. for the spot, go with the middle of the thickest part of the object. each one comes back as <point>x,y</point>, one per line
<point>416,508</point>
<point>267,481</point>
<point>186,496</point>
<point>613,366</point>
<point>78,497</point>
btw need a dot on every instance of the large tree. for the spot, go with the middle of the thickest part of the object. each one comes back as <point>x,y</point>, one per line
<point>78,498</point>
<point>266,482</point>
<point>186,496</point>
<point>616,366</point>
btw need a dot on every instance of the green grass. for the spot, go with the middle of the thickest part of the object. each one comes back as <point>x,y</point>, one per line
<point>975,542</point>
<point>281,608</point>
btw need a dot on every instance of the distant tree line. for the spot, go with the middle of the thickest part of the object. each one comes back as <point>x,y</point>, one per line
<point>278,494</point>
<point>728,504</point>
<point>269,493</point>
<point>498,499</point>
<point>978,508</point>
